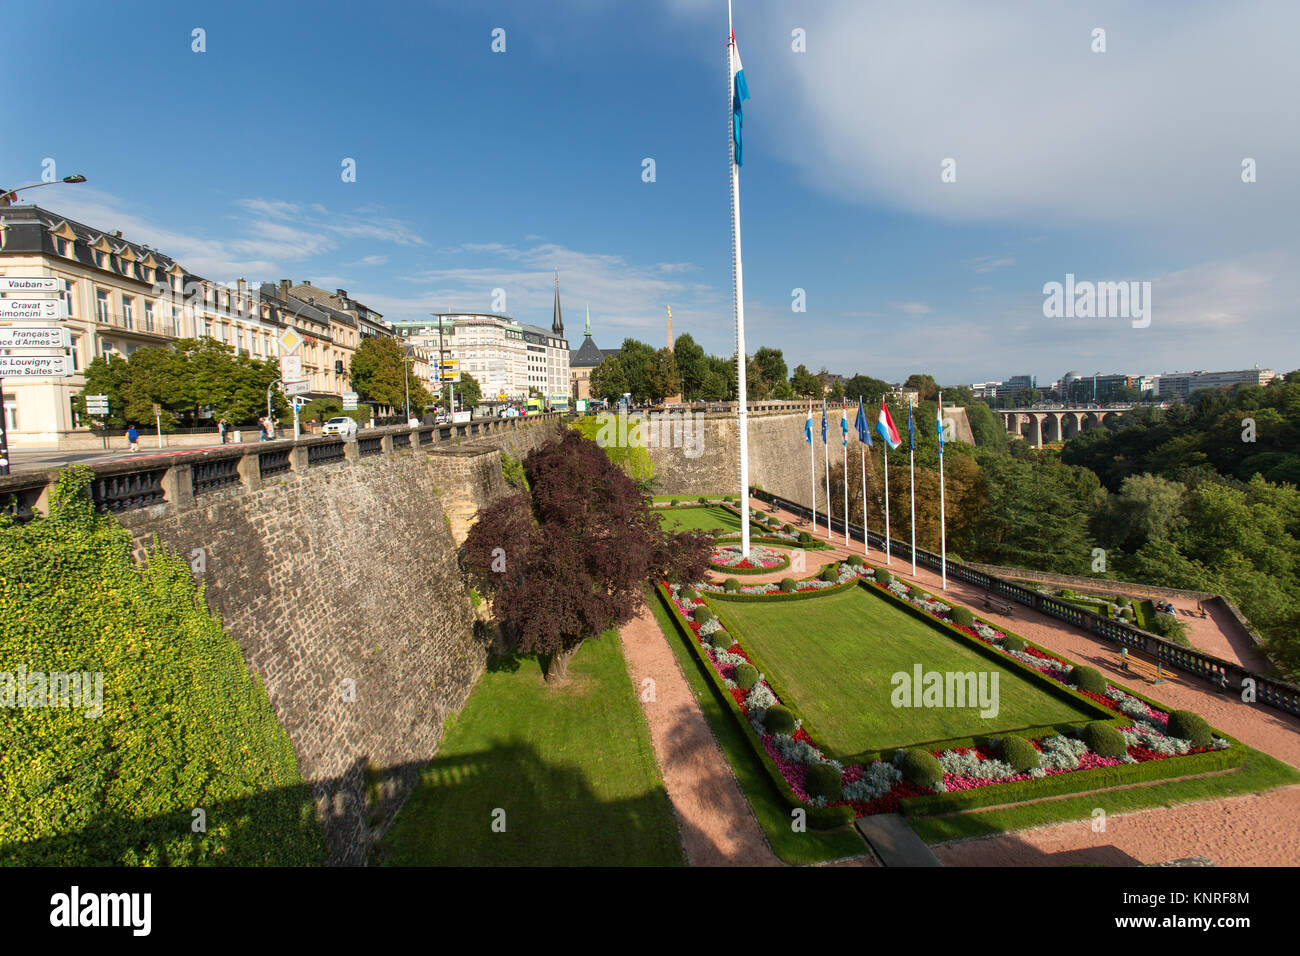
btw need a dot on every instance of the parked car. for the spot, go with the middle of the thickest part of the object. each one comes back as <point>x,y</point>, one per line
<point>343,426</point>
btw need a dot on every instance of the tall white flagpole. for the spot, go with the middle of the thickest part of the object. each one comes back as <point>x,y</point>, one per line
<point>826,454</point>
<point>862,447</point>
<point>739,292</point>
<point>888,555</point>
<point>812,470</point>
<point>943,531</point>
<point>845,413</point>
<point>911,442</point>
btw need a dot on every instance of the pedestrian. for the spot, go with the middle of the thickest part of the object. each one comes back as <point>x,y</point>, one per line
<point>261,429</point>
<point>133,438</point>
<point>222,427</point>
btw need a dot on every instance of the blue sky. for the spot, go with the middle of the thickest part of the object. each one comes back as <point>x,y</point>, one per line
<point>479,170</point>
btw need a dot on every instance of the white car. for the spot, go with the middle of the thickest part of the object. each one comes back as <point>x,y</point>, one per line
<point>343,426</point>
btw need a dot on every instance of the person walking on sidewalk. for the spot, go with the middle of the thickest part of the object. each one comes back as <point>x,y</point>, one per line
<point>133,438</point>
<point>222,428</point>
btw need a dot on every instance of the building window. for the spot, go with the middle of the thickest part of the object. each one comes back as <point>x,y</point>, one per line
<point>70,297</point>
<point>61,246</point>
<point>11,413</point>
<point>128,310</point>
<point>101,305</point>
<point>148,316</point>
<point>101,260</point>
<point>76,353</point>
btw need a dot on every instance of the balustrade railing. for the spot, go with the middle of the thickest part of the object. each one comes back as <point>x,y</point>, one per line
<point>216,473</point>
<point>127,490</point>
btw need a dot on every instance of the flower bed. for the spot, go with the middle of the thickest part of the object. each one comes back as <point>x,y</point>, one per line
<point>760,561</point>
<point>878,786</point>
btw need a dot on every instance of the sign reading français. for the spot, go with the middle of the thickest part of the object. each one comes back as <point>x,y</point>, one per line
<point>34,366</point>
<point>31,284</point>
<point>29,307</point>
<point>38,337</point>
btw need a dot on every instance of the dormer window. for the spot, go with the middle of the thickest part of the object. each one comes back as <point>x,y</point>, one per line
<point>62,246</point>
<point>101,259</point>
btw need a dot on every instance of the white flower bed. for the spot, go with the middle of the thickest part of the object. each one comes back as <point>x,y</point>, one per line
<point>1059,753</point>
<point>968,764</point>
<point>878,779</point>
<point>759,556</point>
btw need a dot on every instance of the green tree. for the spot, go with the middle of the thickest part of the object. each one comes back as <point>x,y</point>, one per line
<point>662,378</point>
<point>381,372</point>
<point>804,383</point>
<point>771,367</point>
<point>867,388</point>
<point>692,366</point>
<point>925,386</point>
<point>608,379</point>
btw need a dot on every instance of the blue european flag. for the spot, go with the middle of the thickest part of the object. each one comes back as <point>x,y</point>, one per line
<point>823,423</point>
<point>911,430</point>
<point>864,429</point>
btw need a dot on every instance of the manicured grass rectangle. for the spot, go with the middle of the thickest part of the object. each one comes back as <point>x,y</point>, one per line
<point>572,768</point>
<point>702,519</point>
<point>835,657</point>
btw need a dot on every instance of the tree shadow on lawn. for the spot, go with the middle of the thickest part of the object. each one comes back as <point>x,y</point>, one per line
<point>545,814</point>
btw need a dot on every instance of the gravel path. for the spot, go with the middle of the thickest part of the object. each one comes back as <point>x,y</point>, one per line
<point>716,824</point>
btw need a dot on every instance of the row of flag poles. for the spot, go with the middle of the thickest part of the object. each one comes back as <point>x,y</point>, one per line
<point>888,433</point>
<point>737,93</point>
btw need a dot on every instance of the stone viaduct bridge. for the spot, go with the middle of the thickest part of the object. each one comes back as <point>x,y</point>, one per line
<point>1043,425</point>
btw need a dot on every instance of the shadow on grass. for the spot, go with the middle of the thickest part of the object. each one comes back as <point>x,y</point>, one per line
<point>506,806</point>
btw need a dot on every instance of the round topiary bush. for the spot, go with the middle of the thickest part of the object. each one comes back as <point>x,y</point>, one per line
<point>1012,643</point>
<point>1127,613</point>
<point>1189,726</point>
<point>962,616</point>
<point>1089,679</point>
<point>856,560</point>
<point>779,720</point>
<point>830,573</point>
<point>1066,593</point>
<point>789,585</point>
<point>920,767</point>
<point>823,780</point>
<point>690,594</point>
<point>787,528</point>
<point>673,503</point>
<point>704,616</point>
<point>913,592</point>
<point>1104,740</point>
<point>721,640</point>
<point>1020,753</point>
<point>805,537</point>
<point>731,585</point>
<point>883,577</point>
<point>703,500</point>
<point>746,676</point>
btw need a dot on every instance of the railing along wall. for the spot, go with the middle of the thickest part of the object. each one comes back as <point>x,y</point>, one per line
<point>1268,690</point>
<point>177,480</point>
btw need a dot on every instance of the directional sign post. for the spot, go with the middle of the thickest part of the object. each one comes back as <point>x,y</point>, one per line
<point>34,337</point>
<point>350,401</point>
<point>32,308</point>
<point>31,284</point>
<point>97,407</point>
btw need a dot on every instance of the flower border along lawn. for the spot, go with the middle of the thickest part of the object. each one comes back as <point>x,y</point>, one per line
<point>572,767</point>
<point>834,659</point>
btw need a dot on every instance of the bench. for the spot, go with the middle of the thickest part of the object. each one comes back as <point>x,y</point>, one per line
<point>1150,670</point>
<point>993,603</point>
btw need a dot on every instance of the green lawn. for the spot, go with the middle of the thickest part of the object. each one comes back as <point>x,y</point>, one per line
<point>703,519</point>
<point>573,769</point>
<point>770,808</point>
<point>835,657</point>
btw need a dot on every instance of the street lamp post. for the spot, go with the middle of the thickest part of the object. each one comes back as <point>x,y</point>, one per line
<point>7,196</point>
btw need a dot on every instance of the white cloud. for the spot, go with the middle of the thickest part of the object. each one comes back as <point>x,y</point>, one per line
<point>911,308</point>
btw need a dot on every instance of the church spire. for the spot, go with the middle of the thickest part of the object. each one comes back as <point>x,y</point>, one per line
<point>557,323</point>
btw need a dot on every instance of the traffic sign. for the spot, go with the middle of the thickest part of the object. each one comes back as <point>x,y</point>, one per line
<point>289,341</point>
<point>34,337</point>
<point>290,368</point>
<point>97,405</point>
<point>451,378</point>
<point>34,366</point>
<point>30,307</point>
<point>297,388</point>
<point>350,401</point>
<point>157,409</point>
<point>31,284</point>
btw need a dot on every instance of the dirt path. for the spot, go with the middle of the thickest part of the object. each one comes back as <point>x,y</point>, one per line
<point>1258,829</point>
<point>717,826</point>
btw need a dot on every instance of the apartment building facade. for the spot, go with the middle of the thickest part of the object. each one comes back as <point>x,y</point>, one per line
<point>1179,386</point>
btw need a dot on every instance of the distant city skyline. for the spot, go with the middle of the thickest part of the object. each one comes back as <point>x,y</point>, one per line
<point>1125,166</point>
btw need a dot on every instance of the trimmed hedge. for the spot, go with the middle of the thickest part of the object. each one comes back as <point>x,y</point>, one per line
<point>824,780</point>
<point>703,615</point>
<point>183,723</point>
<point>779,720</point>
<point>721,640</point>
<point>1013,643</point>
<point>920,767</point>
<point>962,616</point>
<point>829,573</point>
<point>789,585</point>
<point>1089,679</point>
<point>1104,740</point>
<point>1076,781</point>
<point>1019,752</point>
<point>883,577</point>
<point>746,676</point>
<point>731,585</point>
<point>1190,726</point>
<point>855,560</point>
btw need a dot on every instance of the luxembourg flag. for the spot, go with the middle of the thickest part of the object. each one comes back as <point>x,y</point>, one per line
<point>939,426</point>
<point>807,426</point>
<point>844,425</point>
<point>885,427</point>
<point>739,93</point>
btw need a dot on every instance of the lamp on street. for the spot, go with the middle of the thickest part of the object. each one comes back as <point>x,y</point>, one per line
<point>7,197</point>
